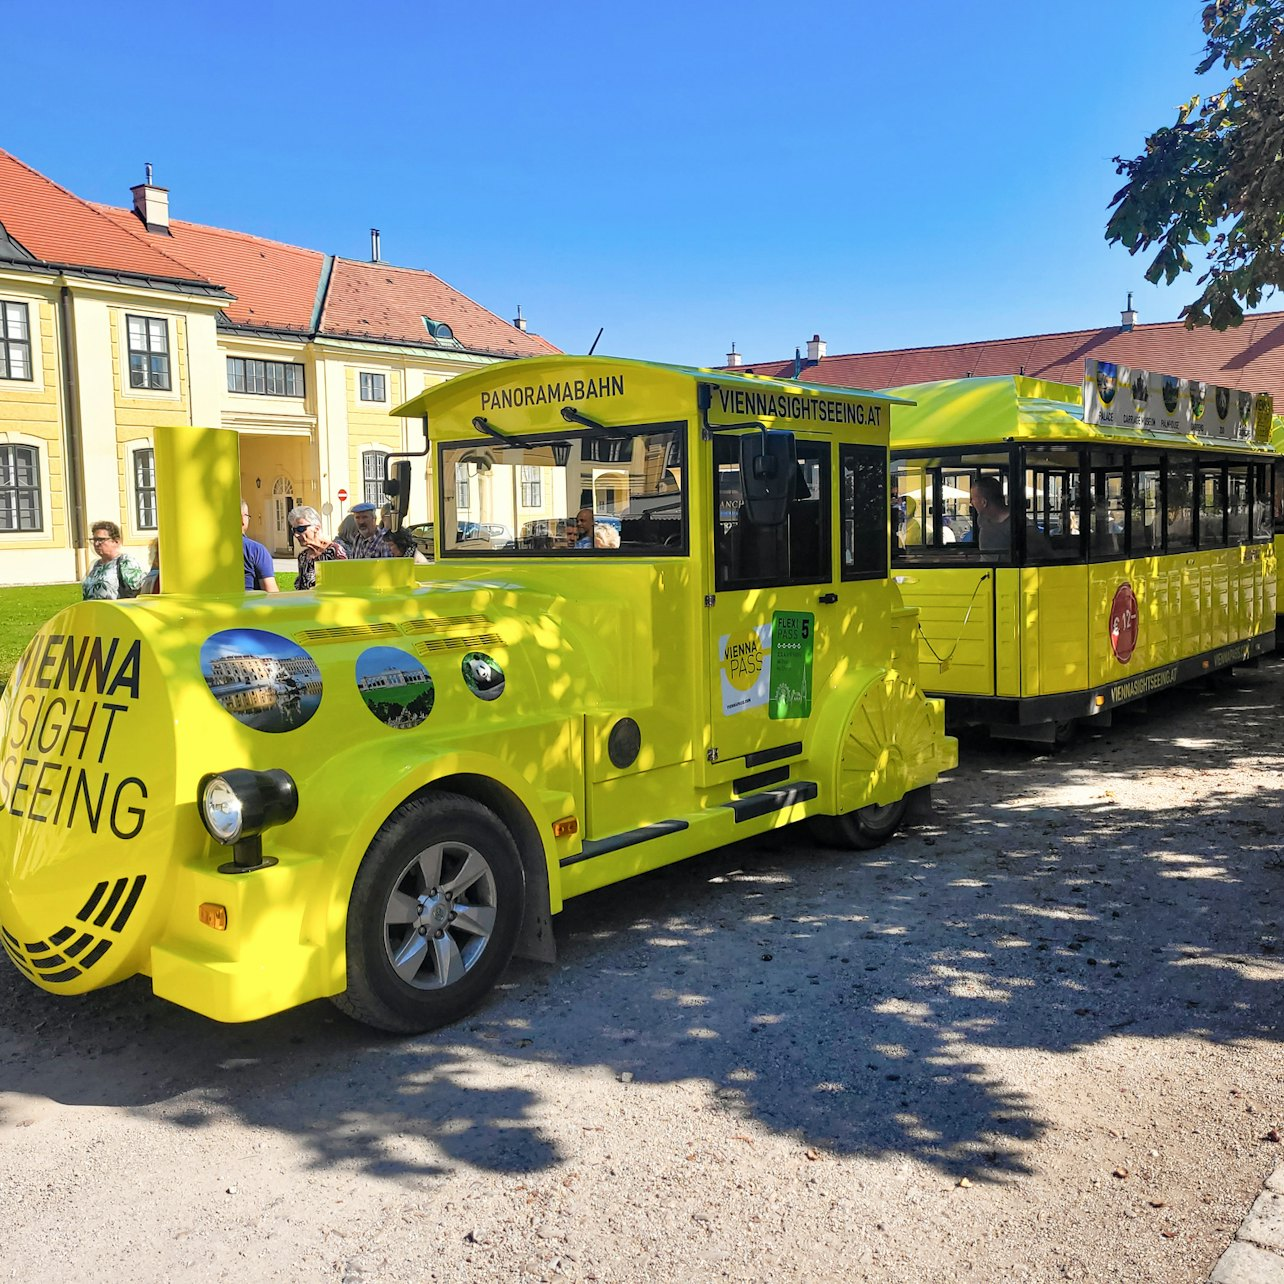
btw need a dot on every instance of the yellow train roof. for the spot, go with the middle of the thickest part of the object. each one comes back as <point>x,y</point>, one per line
<point>1001,408</point>
<point>543,384</point>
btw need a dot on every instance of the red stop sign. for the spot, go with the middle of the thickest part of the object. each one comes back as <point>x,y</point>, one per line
<point>343,495</point>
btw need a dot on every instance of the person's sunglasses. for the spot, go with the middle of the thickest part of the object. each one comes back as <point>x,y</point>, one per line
<point>299,530</point>
<point>100,539</point>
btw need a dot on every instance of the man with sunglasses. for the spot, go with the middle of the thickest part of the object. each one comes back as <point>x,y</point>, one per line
<point>115,574</point>
<point>305,524</point>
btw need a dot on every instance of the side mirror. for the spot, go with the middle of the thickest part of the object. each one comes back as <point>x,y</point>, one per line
<point>397,488</point>
<point>768,467</point>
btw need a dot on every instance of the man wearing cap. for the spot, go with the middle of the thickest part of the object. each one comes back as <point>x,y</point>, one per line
<point>370,539</point>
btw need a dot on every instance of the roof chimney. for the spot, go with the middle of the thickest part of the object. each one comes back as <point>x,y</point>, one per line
<point>519,321</point>
<point>1128,318</point>
<point>815,348</point>
<point>374,245</point>
<point>733,357</point>
<point>797,362</point>
<point>151,204</point>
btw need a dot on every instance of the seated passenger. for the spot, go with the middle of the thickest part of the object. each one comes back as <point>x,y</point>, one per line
<point>993,519</point>
<point>580,534</point>
<point>605,535</point>
<point>994,522</point>
<point>913,527</point>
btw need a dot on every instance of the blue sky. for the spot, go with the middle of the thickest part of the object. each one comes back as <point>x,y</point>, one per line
<point>683,175</point>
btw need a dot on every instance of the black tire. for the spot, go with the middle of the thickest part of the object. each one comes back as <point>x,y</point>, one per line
<point>862,829</point>
<point>423,953</point>
<point>1064,734</point>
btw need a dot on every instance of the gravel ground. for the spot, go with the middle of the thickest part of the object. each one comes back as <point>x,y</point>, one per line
<point>1038,1040</point>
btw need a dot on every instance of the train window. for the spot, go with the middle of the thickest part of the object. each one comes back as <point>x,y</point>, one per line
<point>1211,514</point>
<point>1105,506</point>
<point>1260,476</point>
<point>1052,477</point>
<point>931,509</point>
<point>1179,491</point>
<point>1237,503</point>
<point>796,551</point>
<point>1277,498</point>
<point>1145,522</point>
<point>863,470</point>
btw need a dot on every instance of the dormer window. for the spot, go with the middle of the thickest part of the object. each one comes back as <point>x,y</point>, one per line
<point>440,331</point>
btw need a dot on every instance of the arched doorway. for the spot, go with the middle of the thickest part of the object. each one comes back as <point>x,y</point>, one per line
<point>280,541</point>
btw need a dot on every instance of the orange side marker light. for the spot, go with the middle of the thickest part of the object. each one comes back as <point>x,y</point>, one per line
<point>213,916</point>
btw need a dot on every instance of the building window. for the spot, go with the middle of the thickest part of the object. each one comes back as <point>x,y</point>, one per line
<point>373,463</point>
<point>463,487</point>
<point>145,489</point>
<point>265,378</point>
<point>374,387</point>
<point>532,487</point>
<point>148,352</point>
<point>20,489</point>
<point>15,341</point>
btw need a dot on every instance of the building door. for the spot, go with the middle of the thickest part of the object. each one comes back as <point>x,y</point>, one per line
<point>280,540</point>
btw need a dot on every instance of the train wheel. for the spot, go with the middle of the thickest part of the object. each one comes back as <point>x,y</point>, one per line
<point>1065,733</point>
<point>433,916</point>
<point>862,829</point>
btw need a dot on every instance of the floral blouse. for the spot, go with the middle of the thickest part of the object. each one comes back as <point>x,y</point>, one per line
<point>307,577</point>
<point>104,579</point>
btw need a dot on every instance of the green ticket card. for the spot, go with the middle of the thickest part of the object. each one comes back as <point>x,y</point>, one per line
<point>791,645</point>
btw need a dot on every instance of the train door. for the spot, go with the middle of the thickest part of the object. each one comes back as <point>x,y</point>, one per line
<point>767,641</point>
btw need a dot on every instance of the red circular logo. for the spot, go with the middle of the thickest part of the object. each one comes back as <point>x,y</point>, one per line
<point>1124,623</point>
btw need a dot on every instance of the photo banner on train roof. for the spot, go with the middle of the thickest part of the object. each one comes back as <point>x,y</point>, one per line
<point>1128,397</point>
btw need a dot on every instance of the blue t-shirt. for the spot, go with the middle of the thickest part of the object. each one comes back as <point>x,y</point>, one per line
<point>258,563</point>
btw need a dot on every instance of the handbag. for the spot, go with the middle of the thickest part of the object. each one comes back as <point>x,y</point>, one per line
<point>123,589</point>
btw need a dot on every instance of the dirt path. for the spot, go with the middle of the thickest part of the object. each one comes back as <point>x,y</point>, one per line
<point>1037,1041</point>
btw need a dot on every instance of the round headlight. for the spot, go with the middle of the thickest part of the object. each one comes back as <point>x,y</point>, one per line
<point>221,809</point>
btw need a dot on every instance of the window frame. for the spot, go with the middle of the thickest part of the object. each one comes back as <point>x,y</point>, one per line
<point>154,373</point>
<point>140,492</point>
<point>531,486</point>
<point>266,368</point>
<point>9,343</point>
<point>372,481</point>
<point>10,449</point>
<point>849,508</point>
<point>367,386</point>
<point>810,448</point>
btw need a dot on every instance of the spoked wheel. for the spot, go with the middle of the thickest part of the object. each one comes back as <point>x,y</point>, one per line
<point>862,829</point>
<point>434,915</point>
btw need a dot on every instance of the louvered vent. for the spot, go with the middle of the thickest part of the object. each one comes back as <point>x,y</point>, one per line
<point>443,623</point>
<point>347,633</point>
<point>465,642</point>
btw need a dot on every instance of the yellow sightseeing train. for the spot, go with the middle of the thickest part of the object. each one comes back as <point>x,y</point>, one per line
<point>660,619</point>
<point>1063,567</point>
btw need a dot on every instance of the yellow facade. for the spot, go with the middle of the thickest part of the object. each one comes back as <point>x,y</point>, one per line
<point>294,449</point>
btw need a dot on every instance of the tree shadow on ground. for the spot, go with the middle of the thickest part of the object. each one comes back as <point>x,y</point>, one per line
<point>849,1000</point>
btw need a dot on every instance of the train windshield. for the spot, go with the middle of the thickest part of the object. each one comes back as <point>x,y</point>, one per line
<point>579,494</point>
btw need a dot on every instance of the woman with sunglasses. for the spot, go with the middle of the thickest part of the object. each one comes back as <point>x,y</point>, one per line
<point>305,522</point>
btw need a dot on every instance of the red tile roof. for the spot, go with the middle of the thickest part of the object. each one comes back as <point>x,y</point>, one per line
<point>374,300</point>
<point>57,227</point>
<point>275,284</point>
<point>1250,357</point>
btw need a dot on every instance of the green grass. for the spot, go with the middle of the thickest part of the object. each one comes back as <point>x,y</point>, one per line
<point>24,609</point>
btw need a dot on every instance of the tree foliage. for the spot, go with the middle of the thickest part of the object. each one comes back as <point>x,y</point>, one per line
<point>1215,177</point>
